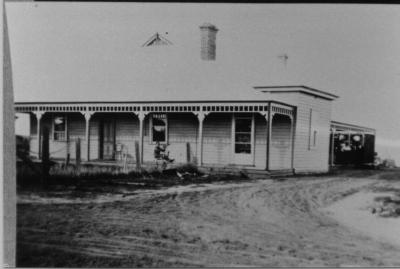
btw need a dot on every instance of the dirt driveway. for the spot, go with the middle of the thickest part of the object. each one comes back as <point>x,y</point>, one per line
<point>256,223</point>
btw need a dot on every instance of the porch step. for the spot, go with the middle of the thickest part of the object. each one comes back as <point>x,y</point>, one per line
<point>281,173</point>
<point>263,174</point>
<point>257,174</point>
<point>230,170</point>
<point>248,171</point>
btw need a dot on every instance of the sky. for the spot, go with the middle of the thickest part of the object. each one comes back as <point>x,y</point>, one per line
<point>349,50</point>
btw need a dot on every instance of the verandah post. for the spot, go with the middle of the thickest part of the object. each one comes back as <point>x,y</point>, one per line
<point>67,151</point>
<point>78,153</point>
<point>200,116</point>
<point>45,156</point>
<point>292,137</point>
<point>332,148</point>
<point>265,114</point>
<point>137,156</point>
<point>269,133</point>
<point>38,115</point>
<point>87,115</point>
<point>188,159</point>
<point>141,117</point>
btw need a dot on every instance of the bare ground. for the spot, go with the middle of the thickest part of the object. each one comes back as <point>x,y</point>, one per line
<point>256,223</point>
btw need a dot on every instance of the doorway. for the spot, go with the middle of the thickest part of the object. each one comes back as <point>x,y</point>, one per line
<point>243,140</point>
<point>107,139</point>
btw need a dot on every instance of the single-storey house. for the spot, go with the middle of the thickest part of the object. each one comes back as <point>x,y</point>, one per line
<point>214,111</point>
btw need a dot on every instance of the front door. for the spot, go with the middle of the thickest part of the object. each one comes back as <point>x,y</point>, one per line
<point>107,139</point>
<point>243,128</point>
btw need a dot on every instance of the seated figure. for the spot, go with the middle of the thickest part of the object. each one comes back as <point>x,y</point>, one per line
<point>161,153</point>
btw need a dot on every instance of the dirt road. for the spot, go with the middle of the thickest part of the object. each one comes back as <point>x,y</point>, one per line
<point>259,223</point>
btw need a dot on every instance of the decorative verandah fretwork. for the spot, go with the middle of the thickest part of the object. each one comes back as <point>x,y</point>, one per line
<point>266,108</point>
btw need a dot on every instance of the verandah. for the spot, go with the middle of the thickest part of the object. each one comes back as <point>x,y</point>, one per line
<point>242,144</point>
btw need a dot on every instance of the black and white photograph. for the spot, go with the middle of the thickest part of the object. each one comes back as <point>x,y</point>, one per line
<point>200,134</point>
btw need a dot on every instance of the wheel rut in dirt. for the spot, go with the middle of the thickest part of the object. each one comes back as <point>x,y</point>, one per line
<point>262,223</point>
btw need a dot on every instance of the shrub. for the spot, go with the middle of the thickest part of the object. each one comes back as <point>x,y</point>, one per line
<point>389,163</point>
<point>27,175</point>
<point>188,168</point>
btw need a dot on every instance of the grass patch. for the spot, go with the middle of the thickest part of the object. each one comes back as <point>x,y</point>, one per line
<point>363,172</point>
<point>92,179</point>
<point>391,174</point>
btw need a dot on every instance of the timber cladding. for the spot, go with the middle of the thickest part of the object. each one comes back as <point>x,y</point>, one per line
<point>281,142</point>
<point>309,157</point>
<point>310,132</point>
<point>182,130</point>
<point>217,139</point>
<point>260,154</point>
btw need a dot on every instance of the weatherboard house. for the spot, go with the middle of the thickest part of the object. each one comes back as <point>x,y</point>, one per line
<point>213,111</point>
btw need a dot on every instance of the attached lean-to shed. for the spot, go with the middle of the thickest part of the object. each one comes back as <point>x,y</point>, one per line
<point>351,144</point>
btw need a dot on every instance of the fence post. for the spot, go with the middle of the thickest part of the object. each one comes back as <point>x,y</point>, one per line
<point>188,157</point>
<point>67,160</point>
<point>125,162</point>
<point>78,153</point>
<point>45,155</point>
<point>67,153</point>
<point>137,156</point>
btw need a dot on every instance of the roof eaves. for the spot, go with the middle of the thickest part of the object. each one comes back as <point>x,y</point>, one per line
<point>323,92</point>
<point>149,102</point>
<point>307,89</point>
<point>84,103</point>
<point>348,125</point>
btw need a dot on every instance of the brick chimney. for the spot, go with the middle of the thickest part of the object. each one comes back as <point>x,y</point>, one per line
<point>208,44</point>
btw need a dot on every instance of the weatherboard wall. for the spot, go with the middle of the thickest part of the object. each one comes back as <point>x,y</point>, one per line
<point>217,133</point>
<point>260,149</point>
<point>217,137</point>
<point>281,143</point>
<point>182,130</point>
<point>307,156</point>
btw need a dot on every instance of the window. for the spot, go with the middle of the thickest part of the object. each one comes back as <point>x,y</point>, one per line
<point>357,139</point>
<point>59,128</point>
<point>243,135</point>
<point>158,128</point>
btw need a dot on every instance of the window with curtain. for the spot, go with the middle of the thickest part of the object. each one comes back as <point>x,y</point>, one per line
<point>159,128</point>
<point>59,128</point>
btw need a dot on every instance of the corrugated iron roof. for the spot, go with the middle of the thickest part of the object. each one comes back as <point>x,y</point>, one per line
<point>61,60</point>
<point>352,127</point>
